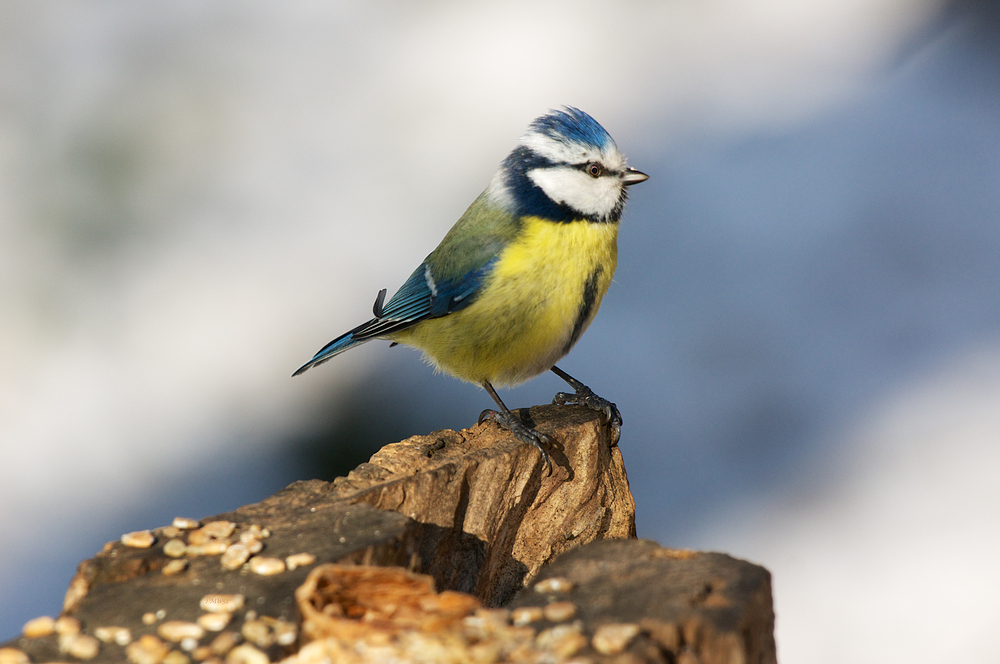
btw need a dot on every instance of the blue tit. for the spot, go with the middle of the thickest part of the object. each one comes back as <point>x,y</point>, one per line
<point>520,276</point>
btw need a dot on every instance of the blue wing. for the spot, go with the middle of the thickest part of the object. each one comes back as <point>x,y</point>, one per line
<point>421,297</point>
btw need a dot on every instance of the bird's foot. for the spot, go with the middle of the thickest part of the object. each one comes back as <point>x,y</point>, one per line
<point>509,421</point>
<point>585,396</point>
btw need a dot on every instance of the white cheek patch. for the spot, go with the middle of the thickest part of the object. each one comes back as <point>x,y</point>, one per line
<point>580,191</point>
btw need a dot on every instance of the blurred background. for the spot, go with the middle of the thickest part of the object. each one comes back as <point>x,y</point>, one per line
<point>803,334</point>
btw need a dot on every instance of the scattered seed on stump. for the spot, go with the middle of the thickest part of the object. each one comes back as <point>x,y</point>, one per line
<point>140,539</point>
<point>234,557</point>
<point>174,567</point>
<point>79,646</point>
<point>224,642</point>
<point>562,640</point>
<point>67,625</point>
<point>526,615</point>
<point>556,584</point>
<point>214,622</point>
<point>13,656</point>
<point>613,638</point>
<point>299,560</point>
<point>120,635</point>
<point>267,566</point>
<point>258,633</point>
<point>40,626</point>
<point>146,650</point>
<point>559,611</point>
<point>217,603</point>
<point>178,630</point>
<point>246,654</point>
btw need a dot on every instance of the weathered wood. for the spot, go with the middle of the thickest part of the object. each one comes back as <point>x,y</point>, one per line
<point>490,499</point>
<point>623,601</point>
<point>477,512</point>
<point>689,606</point>
<point>475,509</point>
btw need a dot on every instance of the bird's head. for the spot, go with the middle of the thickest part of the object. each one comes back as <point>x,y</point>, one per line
<point>565,167</point>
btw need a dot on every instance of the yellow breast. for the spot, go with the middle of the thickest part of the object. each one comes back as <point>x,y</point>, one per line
<point>544,291</point>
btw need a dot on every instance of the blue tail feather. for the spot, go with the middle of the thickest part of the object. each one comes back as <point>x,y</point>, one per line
<point>335,347</point>
<point>415,301</point>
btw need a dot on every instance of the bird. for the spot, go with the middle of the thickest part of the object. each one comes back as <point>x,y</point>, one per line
<point>520,276</point>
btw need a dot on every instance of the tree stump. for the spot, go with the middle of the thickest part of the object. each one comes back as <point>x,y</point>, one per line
<point>428,552</point>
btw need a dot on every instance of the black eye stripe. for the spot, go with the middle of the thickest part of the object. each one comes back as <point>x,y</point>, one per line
<point>528,199</point>
<point>604,169</point>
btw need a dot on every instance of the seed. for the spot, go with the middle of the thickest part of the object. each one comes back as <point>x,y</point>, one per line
<point>486,622</point>
<point>563,640</point>
<point>613,638</point>
<point>175,567</point>
<point>120,635</point>
<point>254,545</point>
<point>253,531</point>
<point>81,646</point>
<point>148,618</point>
<point>221,603</point>
<point>285,633</point>
<point>299,560</point>
<point>267,566</point>
<point>146,650</point>
<point>189,643</point>
<point>13,656</point>
<point>201,652</point>
<point>176,657</point>
<point>176,630</point>
<point>235,556</point>
<point>556,584</point>
<point>218,529</point>
<point>224,642</point>
<point>559,611</point>
<point>67,625</point>
<point>41,626</point>
<point>214,622</point>
<point>246,654</point>
<point>185,523</point>
<point>197,538</point>
<point>215,547</point>
<point>140,539</point>
<point>256,631</point>
<point>78,589</point>
<point>175,548</point>
<point>170,531</point>
<point>526,615</point>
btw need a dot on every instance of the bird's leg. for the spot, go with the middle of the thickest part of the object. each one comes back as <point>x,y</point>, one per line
<point>586,397</point>
<point>510,422</point>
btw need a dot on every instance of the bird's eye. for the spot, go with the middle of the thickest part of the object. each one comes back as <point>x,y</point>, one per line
<point>594,169</point>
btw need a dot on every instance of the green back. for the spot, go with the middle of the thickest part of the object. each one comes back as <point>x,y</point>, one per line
<point>475,239</point>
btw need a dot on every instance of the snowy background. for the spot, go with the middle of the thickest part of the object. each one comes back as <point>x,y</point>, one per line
<point>803,334</point>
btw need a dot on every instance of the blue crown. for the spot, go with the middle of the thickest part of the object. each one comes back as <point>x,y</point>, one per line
<point>574,125</point>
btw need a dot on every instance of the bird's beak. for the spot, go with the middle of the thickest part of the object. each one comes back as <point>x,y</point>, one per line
<point>631,176</point>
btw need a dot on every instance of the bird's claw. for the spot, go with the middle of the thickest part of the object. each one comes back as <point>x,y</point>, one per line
<point>584,396</point>
<point>510,422</point>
